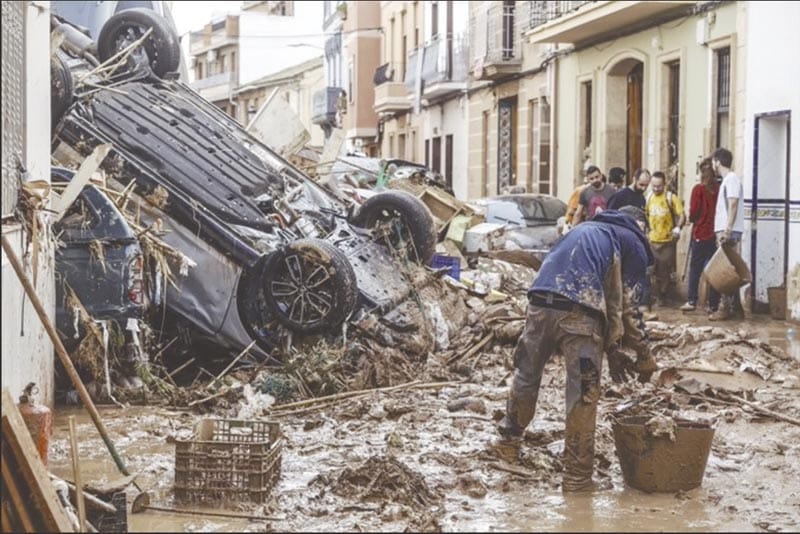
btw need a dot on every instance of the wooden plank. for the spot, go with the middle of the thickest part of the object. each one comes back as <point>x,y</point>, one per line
<point>76,472</point>
<point>81,178</point>
<point>41,494</point>
<point>16,497</point>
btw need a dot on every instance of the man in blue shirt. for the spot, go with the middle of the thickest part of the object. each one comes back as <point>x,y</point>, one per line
<point>633,195</point>
<point>582,303</point>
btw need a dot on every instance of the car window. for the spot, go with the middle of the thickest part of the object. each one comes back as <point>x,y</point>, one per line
<point>122,6</point>
<point>78,217</point>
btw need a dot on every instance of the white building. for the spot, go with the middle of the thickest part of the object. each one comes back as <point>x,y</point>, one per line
<point>27,352</point>
<point>770,85</point>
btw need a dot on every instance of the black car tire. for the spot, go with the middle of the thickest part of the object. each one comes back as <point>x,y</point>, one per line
<point>416,223</point>
<point>310,286</point>
<point>61,88</point>
<point>162,46</point>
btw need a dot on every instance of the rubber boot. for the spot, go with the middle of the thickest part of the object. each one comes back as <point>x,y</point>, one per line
<point>518,414</point>
<point>579,446</point>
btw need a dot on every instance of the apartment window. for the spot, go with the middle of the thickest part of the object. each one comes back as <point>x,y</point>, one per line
<point>391,39</point>
<point>199,70</point>
<point>222,64</point>
<point>508,29</point>
<point>401,146</point>
<point>448,159</point>
<point>416,27</point>
<point>414,146</point>
<point>674,110</point>
<point>723,96</point>
<point>233,65</point>
<point>539,172</point>
<point>434,20</point>
<point>586,116</point>
<point>350,82</point>
<point>390,148</point>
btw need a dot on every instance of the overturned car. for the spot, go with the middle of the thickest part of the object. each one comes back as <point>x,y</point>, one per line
<point>275,252</point>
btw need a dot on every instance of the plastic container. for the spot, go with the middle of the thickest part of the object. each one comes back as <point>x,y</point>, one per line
<point>228,461</point>
<point>657,464</point>
<point>727,271</point>
<point>440,260</point>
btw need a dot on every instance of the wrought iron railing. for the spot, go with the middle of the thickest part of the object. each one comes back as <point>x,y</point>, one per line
<point>542,11</point>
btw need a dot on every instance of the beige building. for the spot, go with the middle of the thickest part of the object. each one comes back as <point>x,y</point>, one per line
<point>296,84</point>
<point>352,52</point>
<point>509,102</point>
<point>622,93</point>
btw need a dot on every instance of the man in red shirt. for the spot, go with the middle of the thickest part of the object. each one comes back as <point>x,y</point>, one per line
<point>701,214</point>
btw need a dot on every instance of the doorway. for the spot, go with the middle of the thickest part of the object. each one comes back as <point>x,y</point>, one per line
<point>769,219</point>
<point>506,143</point>
<point>624,115</point>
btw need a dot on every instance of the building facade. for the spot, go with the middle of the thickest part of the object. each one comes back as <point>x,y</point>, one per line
<point>769,153</point>
<point>229,52</point>
<point>297,85</point>
<point>27,352</point>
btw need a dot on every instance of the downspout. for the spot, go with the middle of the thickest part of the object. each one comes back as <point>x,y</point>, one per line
<point>552,75</point>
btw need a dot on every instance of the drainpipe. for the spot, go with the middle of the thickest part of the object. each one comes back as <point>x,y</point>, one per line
<point>552,81</point>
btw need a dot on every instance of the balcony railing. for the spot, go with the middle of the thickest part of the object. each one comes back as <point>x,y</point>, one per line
<point>443,60</point>
<point>543,11</point>
<point>496,45</point>
<point>222,78</point>
<point>325,104</point>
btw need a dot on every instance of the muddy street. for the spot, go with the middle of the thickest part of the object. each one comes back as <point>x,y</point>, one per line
<point>414,458</point>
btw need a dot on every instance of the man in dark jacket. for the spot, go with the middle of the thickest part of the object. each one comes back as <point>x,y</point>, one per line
<point>582,303</point>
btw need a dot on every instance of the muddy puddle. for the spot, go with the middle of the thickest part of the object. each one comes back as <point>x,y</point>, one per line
<point>414,458</point>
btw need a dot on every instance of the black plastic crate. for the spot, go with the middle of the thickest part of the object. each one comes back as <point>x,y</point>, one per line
<point>228,461</point>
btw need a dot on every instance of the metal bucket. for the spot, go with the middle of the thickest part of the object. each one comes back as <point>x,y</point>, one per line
<point>657,464</point>
<point>727,271</point>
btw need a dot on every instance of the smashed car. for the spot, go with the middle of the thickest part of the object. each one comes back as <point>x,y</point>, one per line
<point>275,252</point>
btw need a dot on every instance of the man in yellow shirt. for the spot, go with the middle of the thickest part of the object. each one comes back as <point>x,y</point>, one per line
<point>665,216</point>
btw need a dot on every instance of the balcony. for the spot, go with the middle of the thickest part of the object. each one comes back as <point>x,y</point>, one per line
<point>216,87</point>
<point>496,42</point>
<point>325,104</point>
<point>581,21</point>
<point>390,95</point>
<point>444,67</point>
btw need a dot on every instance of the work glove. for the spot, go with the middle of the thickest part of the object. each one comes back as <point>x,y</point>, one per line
<point>676,233</point>
<point>645,366</point>
<point>620,366</point>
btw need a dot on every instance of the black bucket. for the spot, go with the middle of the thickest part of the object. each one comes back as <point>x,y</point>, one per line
<point>657,464</point>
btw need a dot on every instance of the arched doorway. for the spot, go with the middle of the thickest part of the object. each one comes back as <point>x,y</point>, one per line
<point>624,115</point>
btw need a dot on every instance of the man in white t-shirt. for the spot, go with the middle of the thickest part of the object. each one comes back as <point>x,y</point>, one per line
<point>728,224</point>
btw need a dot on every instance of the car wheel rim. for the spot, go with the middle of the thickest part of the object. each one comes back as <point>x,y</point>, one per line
<point>302,290</point>
<point>391,231</point>
<point>129,35</point>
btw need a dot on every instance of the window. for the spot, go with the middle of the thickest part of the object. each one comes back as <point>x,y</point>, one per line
<point>586,97</point>
<point>350,82</point>
<point>222,64</point>
<point>390,147</point>
<point>508,29</point>
<point>401,146</point>
<point>434,20</point>
<point>539,172</point>
<point>199,70</point>
<point>436,164</point>
<point>723,97</point>
<point>674,111</point>
<point>414,146</point>
<point>448,159</point>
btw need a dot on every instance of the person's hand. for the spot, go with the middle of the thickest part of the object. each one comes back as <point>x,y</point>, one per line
<point>620,366</point>
<point>723,238</point>
<point>676,233</point>
<point>645,366</point>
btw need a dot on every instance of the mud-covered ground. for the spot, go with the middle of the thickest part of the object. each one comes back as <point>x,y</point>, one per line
<point>413,458</point>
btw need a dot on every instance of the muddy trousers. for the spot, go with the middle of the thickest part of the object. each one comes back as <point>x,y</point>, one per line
<point>577,335</point>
